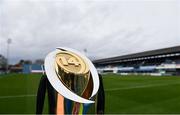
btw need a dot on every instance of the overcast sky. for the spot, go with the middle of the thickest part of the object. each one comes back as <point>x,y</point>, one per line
<point>104,28</point>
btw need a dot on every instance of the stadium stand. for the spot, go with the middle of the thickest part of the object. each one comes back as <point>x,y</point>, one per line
<point>156,62</point>
<point>32,68</point>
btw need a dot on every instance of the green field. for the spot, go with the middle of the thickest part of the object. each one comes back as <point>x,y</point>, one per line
<point>124,94</point>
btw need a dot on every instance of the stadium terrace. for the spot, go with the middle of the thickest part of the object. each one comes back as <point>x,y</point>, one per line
<point>156,62</point>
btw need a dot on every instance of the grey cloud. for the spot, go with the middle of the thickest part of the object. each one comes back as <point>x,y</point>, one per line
<point>104,28</point>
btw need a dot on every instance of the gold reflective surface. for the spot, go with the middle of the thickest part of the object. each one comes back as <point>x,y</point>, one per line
<point>74,73</point>
<point>71,63</point>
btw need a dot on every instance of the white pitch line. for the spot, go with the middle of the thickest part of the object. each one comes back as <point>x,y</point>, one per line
<point>143,86</point>
<point>16,96</point>
<point>113,89</point>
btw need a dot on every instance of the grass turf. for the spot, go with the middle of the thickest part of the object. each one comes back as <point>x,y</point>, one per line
<point>124,94</point>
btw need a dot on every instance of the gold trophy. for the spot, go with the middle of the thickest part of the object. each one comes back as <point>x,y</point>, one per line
<point>75,80</point>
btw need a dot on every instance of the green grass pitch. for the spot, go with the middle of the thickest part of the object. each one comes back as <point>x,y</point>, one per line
<point>124,94</point>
